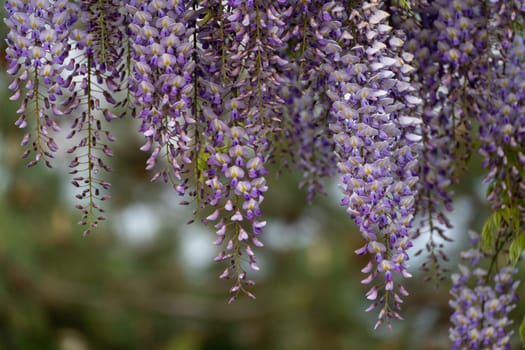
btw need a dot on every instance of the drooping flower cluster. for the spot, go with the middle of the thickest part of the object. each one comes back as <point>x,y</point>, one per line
<point>241,110</point>
<point>502,125</point>
<point>311,146</point>
<point>43,34</point>
<point>306,128</point>
<point>162,85</point>
<point>38,45</point>
<point>449,43</point>
<point>371,94</point>
<point>482,300</point>
<point>381,92</point>
<point>98,76</point>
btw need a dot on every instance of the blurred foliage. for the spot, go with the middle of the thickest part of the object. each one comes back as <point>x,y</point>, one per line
<point>60,290</point>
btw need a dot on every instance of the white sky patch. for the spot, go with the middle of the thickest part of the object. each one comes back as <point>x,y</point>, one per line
<point>481,189</point>
<point>196,250</point>
<point>69,191</point>
<point>333,191</point>
<point>137,223</point>
<point>172,207</point>
<point>460,218</point>
<point>279,235</point>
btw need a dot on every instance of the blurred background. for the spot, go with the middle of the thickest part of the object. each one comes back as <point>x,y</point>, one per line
<point>146,280</point>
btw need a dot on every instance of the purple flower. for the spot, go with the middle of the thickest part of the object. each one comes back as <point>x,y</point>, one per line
<point>99,76</point>
<point>373,115</point>
<point>481,303</point>
<point>306,123</point>
<point>162,83</point>
<point>449,45</point>
<point>37,48</point>
<point>501,128</point>
<point>379,93</point>
<point>237,84</point>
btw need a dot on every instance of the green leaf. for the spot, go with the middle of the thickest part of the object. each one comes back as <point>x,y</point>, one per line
<point>516,219</point>
<point>202,161</point>
<point>208,15</point>
<point>487,236</point>
<point>490,188</point>
<point>516,247</point>
<point>508,218</point>
<point>405,4</point>
<point>522,331</point>
<point>511,217</point>
<point>202,165</point>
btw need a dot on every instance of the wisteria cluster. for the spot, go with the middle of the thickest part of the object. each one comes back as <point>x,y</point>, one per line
<point>481,302</point>
<point>392,96</point>
<point>449,41</point>
<point>371,97</point>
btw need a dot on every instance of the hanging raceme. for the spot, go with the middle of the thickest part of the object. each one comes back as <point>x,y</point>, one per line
<point>393,96</point>
<point>38,49</point>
